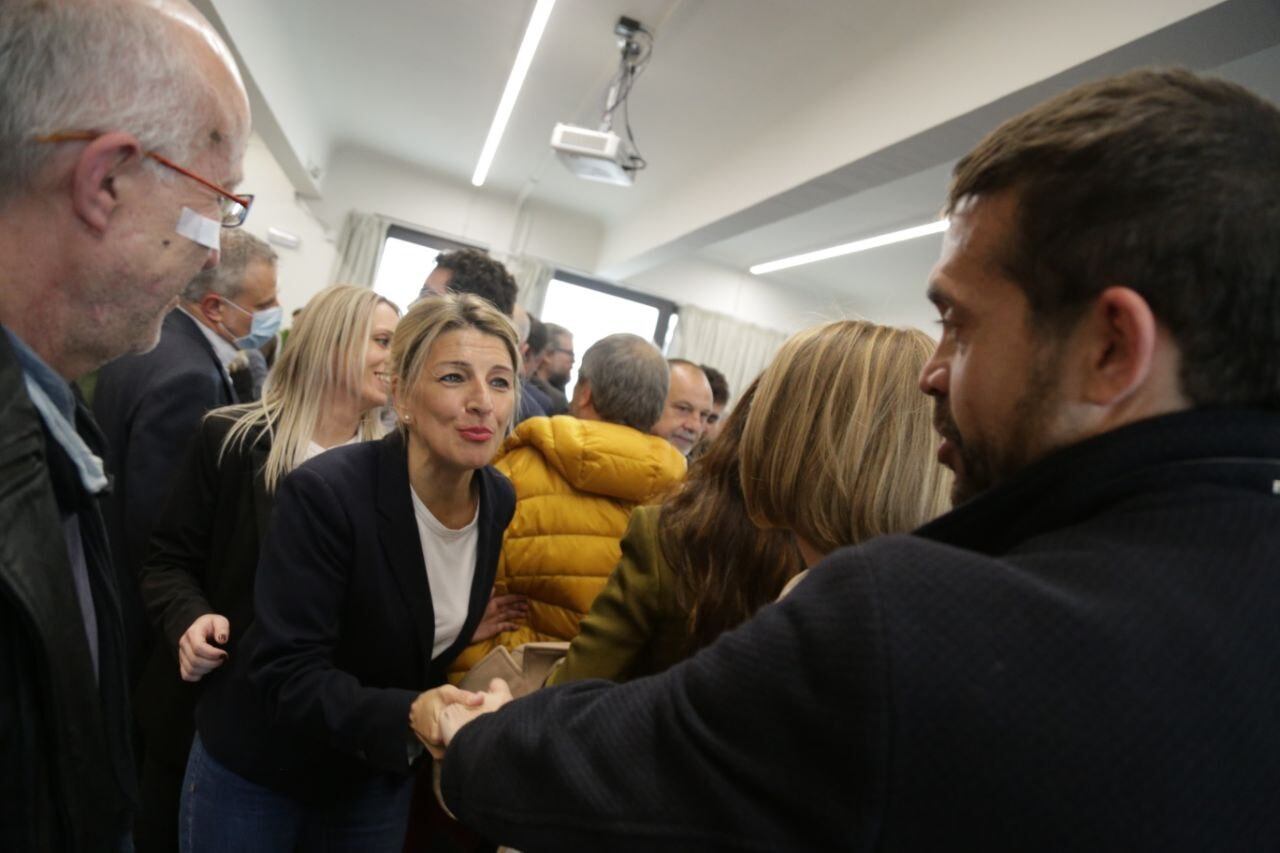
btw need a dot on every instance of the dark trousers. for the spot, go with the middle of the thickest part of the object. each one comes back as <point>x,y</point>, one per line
<point>155,829</point>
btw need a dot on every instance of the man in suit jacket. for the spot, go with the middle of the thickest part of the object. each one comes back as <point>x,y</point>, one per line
<point>149,405</point>
<point>1082,655</point>
<point>97,238</point>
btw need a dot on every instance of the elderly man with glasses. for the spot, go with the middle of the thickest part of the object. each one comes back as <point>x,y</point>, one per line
<point>122,131</point>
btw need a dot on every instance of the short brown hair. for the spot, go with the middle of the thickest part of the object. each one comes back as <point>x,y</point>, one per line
<point>839,444</point>
<point>719,385</point>
<point>1165,182</point>
<point>475,272</point>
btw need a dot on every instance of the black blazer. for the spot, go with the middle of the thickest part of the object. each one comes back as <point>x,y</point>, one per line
<point>1081,659</point>
<point>316,698</point>
<point>202,559</point>
<point>148,407</point>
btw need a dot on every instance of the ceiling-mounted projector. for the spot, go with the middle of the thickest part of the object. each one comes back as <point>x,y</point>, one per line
<point>600,154</point>
<point>597,155</point>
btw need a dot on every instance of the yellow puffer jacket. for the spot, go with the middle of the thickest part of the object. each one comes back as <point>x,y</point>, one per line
<point>576,483</point>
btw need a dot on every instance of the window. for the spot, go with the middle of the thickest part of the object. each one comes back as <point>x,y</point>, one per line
<point>593,310</point>
<point>408,257</point>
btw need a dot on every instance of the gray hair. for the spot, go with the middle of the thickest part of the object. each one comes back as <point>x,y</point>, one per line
<point>628,379</point>
<point>239,250</point>
<point>101,66</point>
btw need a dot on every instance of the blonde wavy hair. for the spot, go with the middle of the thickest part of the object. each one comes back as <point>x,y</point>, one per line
<point>324,356</point>
<point>430,318</point>
<point>839,444</point>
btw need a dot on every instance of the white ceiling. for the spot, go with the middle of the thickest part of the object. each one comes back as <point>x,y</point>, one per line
<point>770,127</point>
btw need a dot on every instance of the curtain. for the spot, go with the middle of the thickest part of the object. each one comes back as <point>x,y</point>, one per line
<point>532,277</point>
<point>358,250</point>
<point>738,350</point>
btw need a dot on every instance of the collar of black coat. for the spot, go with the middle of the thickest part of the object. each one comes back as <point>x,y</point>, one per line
<point>398,530</point>
<point>1233,448</point>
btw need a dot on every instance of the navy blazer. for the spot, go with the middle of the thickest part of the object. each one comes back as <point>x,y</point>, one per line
<point>317,695</point>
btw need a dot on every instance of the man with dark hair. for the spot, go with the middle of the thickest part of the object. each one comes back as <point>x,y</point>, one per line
<point>534,346</point>
<point>472,271</point>
<point>1080,655</point>
<point>528,363</point>
<point>123,127</point>
<point>689,406</point>
<point>555,365</point>
<point>719,400</point>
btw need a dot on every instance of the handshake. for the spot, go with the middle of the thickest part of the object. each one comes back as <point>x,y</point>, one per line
<point>438,714</point>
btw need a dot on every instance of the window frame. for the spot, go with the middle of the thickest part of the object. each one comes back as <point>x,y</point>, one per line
<point>666,308</point>
<point>428,239</point>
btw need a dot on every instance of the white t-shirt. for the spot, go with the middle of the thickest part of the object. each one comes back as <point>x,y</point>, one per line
<point>450,556</point>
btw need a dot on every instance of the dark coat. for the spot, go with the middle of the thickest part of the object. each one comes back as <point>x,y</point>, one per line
<point>1081,659</point>
<point>203,558</point>
<point>149,407</point>
<point>316,698</point>
<point>556,401</point>
<point>66,769</point>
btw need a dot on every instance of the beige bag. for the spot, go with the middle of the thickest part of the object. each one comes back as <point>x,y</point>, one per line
<point>524,670</point>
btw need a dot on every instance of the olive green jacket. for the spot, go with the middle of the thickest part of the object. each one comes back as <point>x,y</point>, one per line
<point>635,626</point>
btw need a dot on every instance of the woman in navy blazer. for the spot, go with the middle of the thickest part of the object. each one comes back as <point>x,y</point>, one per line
<point>374,575</point>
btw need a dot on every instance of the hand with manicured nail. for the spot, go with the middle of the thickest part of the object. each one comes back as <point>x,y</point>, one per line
<point>197,656</point>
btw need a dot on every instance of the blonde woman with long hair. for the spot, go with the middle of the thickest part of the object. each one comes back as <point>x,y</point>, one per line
<point>839,444</point>
<point>197,581</point>
<point>375,574</point>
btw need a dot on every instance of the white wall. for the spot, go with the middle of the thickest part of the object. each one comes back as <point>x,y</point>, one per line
<point>719,288</point>
<point>362,180</point>
<point>304,270</point>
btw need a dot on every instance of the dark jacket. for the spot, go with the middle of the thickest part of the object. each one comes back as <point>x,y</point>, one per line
<point>1081,659</point>
<point>316,698</point>
<point>557,402</point>
<point>149,407</point>
<point>203,558</point>
<point>66,769</point>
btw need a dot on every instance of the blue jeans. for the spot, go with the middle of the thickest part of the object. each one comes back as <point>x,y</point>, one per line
<point>222,812</point>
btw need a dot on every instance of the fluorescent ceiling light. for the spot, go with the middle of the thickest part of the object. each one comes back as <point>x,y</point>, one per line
<point>851,248</point>
<point>524,56</point>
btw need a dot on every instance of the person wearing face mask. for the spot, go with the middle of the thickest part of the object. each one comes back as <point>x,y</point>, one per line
<point>374,574</point>
<point>149,406</point>
<point>197,579</point>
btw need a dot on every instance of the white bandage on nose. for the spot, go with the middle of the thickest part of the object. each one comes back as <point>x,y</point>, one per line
<point>200,229</point>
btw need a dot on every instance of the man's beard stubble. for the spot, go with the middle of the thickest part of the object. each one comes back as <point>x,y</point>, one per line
<point>984,464</point>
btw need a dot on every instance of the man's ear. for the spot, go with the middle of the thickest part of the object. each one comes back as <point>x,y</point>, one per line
<point>94,194</point>
<point>581,398</point>
<point>1122,333</point>
<point>210,305</point>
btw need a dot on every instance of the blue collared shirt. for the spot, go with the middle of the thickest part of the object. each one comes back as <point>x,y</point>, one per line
<point>52,397</point>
